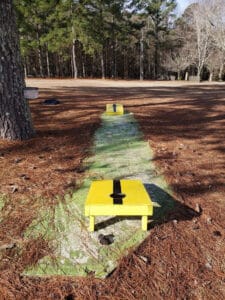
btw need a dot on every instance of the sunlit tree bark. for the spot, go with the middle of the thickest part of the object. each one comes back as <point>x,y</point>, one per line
<point>15,119</point>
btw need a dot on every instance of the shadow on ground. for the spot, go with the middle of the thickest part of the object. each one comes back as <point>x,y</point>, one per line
<point>166,209</point>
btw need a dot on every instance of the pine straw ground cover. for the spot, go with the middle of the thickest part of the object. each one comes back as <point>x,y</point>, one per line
<point>183,256</point>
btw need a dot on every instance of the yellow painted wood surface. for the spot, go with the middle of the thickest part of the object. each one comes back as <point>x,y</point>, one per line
<point>117,111</point>
<point>136,203</point>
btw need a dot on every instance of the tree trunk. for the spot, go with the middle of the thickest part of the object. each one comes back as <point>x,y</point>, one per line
<point>114,59</point>
<point>47,62</point>
<point>149,67</point>
<point>40,56</point>
<point>27,61</point>
<point>211,76</point>
<point>74,60</point>
<point>71,66</point>
<point>15,119</point>
<point>40,62</point>
<point>57,71</point>
<point>83,69</point>
<point>156,69</point>
<point>125,67</point>
<point>142,55</point>
<point>102,65</point>
<point>186,76</point>
<point>25,67</point>
<point>113,52</point>
<point>156,55</point>
<point>221,72</point>
<point>60,63</point>
<point>199,74</point>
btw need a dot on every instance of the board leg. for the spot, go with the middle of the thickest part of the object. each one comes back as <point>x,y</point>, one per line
<point>144,222</point>
<point>92,223</point>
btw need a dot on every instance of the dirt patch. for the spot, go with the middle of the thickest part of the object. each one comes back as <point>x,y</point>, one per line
<point>183,256</point>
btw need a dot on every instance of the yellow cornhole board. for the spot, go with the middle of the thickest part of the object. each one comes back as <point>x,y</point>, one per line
<point>118,198</point>
<point>114,109</point>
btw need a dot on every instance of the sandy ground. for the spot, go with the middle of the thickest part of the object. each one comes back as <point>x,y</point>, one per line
<point>184,256</point>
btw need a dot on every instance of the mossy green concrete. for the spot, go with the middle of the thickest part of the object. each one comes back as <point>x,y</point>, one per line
<point>2,203</point>
<point>119,152</point>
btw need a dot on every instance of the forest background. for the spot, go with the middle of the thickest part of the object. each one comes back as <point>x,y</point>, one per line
<point>122,39</point>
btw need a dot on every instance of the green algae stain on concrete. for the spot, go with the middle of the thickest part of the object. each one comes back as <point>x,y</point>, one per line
<point>2,203</point>
<point>119,152</point>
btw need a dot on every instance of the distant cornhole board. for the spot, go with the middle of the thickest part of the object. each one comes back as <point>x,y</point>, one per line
<point>114,109</point>
<point>118,198</point>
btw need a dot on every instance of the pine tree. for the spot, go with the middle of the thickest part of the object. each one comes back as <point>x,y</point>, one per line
<point>158,14</point>
<point>94,37</point>
<point>15,119</point>
<point>34,24</point>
